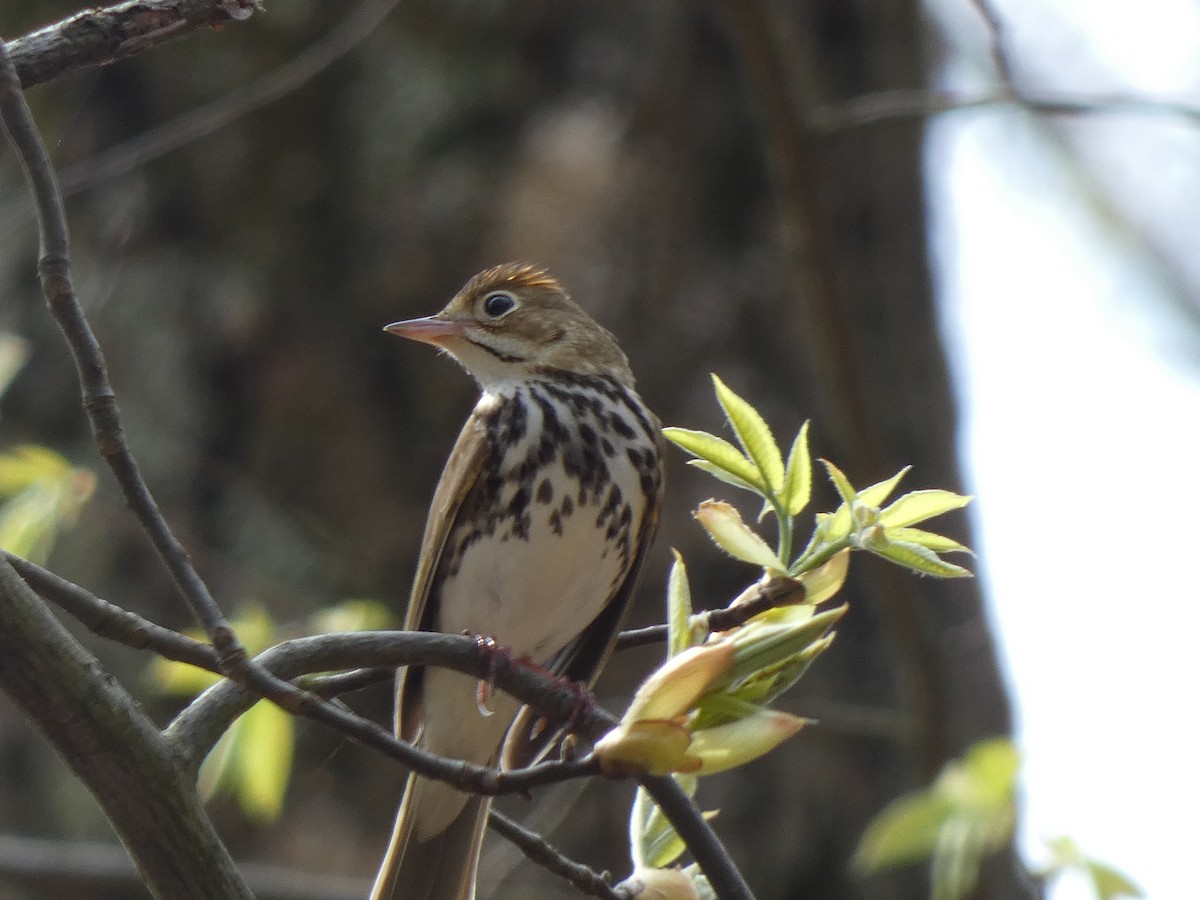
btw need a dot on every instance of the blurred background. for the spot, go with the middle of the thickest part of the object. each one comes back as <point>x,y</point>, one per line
<point>1002,298</point>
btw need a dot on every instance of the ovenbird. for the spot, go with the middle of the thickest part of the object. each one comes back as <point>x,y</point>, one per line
<point>538,527</point>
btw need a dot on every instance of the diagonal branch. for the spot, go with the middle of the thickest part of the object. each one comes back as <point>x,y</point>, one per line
<point>103,735</point>
<point>198,123</point>
<point>107,620</point>
<point>537,849</point>
<point>103,35</point>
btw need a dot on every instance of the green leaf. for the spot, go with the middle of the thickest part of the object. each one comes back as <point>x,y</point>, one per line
<point>14,351</point>
<point>726,476</point>
<point>991,767</point>
<point>262,761</point>
<point>956,860</point>
<point>921,505</point>
<point>771,651</point>
<point>927,539</point>
<point>827,579</point>
<point>45,494</point>
<point>679,607</point>
<point>797,479</point>
<point>881,490</point>
<point>753,434</point>
<point>1110,883</point>
<point>718,451</point>
<point>724,524</point>
<point>358,614</point>
<point>844,488</point>
<point>728,746</point>
<point>652,839</point>
<point>916,558</point>
<point>906,831</point>
<point>1107,881</point>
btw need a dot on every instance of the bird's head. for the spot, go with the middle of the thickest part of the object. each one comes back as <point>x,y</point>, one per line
<point>515,322</point>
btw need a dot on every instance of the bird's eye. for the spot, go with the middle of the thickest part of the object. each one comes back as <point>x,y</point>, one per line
<point>498,304</point>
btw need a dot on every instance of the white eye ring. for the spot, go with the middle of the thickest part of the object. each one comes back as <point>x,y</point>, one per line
<point>498,304</point>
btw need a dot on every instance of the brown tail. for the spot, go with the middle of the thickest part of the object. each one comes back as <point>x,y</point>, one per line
<point>440,868</point>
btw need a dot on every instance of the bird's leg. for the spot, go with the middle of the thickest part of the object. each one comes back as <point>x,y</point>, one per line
<point>483,690</point>
<point>583,700</point>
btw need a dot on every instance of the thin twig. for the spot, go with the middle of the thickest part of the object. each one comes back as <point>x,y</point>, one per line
<point>640,637</point>
<point>899,105</point>
<point>198,727</point>
<point>758,598</point>
<point>103,35</point>
<point>113,622</point>
<point>198,123</point>
<point>701,840</point>
<point>542,852</point>
<point>996,42</point>
<point>329,686</point>
<point>51,868</point>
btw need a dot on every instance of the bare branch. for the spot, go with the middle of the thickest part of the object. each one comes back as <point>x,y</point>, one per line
<point>899,105</point>
<point>329,686</point>
<point>103,735</point>
<point>99,402</point>
<point>758,598</point>
<point>996,43</point>
<point>539,850</point>
<point>50,868</point>
<point>701,841</point>
<point>97,37</point>
<point>199,726</point>
<point>107,620</point>
<point>198,123</point>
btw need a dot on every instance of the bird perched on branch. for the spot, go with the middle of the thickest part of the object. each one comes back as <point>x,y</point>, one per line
<point>538,527</point>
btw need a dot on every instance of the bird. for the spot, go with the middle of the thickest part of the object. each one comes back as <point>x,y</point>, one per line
<point>544,512</point>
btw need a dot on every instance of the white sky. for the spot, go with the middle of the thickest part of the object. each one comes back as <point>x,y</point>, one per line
<point>1082,422</point>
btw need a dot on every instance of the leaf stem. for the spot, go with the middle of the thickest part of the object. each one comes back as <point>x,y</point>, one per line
<point>817,556</point>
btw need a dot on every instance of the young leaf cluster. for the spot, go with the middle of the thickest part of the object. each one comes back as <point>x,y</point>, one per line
<point>706,708</point>
<point>967,813</point>
<point>861,522</point>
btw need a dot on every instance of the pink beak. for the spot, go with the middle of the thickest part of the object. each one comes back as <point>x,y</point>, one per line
<point>430,330</point>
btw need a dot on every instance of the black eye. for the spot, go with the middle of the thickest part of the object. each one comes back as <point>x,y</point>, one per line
<point>496,305</point>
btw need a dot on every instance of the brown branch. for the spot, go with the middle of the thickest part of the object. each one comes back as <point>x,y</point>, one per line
<point>103,735</point>
<point>52,868</point>
<point>758,598</point>
<point>209,717</point>
<point>543,853</point>
<point>97,37</point>
<point>107,620</point>
<point>199,726</point>
<point>329,686</point>
<point>99,402</point>
<point>701,840</point>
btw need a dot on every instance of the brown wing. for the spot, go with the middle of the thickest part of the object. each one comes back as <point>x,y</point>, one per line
<point>459,476</point>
